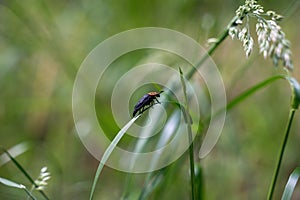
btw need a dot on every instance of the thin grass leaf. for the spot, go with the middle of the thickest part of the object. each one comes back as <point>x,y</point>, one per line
<point>214,46</point>
<point>252,90</point>
<point>155,179</point>
<point>16,185</point>
<point>167,132</point>
<point>158,180</point>
<point>199,183</point>
<point>291,184</point>
<point>152,184</point>
<point>19,166</point>
<point>108,152</point>
<point>14,151</point>
<point>11,183</point>
<point>295,87</point>
<point>190,134</point>
<point>296,92</point>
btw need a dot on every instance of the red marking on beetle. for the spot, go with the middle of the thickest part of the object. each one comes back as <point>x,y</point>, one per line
<point>154,93</point>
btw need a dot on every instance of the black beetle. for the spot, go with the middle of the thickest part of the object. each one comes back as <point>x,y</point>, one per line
<point>146,102</point>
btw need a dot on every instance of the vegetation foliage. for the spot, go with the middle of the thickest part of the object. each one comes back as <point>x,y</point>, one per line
<point>42,46</point>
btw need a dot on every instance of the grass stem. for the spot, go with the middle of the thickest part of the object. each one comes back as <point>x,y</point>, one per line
<point>190,134</point>
<point>283,145</point>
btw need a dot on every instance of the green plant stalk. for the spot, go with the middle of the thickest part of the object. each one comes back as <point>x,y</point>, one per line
<point>283,145</point>
<point>211,49</point>
<point>191,154</point>
<point>10,183</point>
<point>199,182</point>
<point>24,172</point>
<point>29,194</point>
<point>190,135</point>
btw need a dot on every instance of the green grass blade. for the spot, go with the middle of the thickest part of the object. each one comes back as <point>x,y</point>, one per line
<point>168,131</point>
<point>19,166</point>
<point>14,151</point>
<point>190,135</point>
<point>16,185</point>
<point>156,178</point>
<point>248,93</point>
<point>210,51</point>
<point>291,184</point>
<point>11,183</point>
<point>108,152</point>
<point>252,90</point>
<point>199,184</point>
<point>295,87</point>
<point>153,183</point>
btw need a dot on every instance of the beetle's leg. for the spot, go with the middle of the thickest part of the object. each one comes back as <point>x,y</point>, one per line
<point>157,100</point>
<point>142,110</point>
<point>152,103</point>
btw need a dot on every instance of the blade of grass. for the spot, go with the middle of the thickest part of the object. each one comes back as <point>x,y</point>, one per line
<point>247,93</point>
<point>16,185</point>
<point>108,152</point>
<point>11,183</point>
<point>14,151</point>
<point>291,184</point>
<point>190,135</point>
<point>157,181</point>
<point>159,176</point>
<point>199,182</point>
<point>19,166</point>
<point>153,182</point>
<point>253,89</point>
<point>259,86</point>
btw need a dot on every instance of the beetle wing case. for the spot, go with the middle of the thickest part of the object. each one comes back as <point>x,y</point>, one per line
<point>146,100</point>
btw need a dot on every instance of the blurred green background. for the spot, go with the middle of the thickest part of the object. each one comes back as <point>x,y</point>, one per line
<point>42,45</point>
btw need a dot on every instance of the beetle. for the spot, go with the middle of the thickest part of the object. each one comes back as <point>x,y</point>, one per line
<point>146,102</point>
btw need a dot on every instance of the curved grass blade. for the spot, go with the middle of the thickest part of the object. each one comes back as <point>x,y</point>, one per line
<point>296,92</point>
<point>253,89</point>
<point>16,185</point>
<point>291,184</point>
<point>108,152</point>
<point>19,166</point>
<point>293,83</point>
